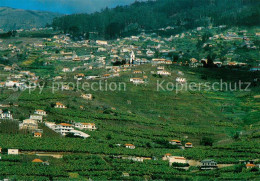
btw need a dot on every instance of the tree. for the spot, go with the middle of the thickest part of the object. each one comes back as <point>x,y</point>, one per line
<point>108,137</point>
<point>239,168</point>
<point>113,30</point>
<point>210,62</point>
<point>157,54</point>
<point>236,136</point>
<point>206,141</point>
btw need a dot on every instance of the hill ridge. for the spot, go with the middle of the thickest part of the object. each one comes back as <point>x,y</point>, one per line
<point>14,19</point>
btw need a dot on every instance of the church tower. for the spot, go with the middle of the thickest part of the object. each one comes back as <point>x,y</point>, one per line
<point>132,57</point>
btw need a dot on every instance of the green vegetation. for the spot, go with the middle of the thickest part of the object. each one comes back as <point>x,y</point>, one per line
<point>222,124</point>
<point>153,15</point>
<point>148,124</point>
<point>15,19</point>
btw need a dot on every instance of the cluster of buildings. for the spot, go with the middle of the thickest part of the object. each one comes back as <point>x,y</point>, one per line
<point>66,129</point>
<point>179,144</point>
<point>18,79</point>
<point>31,124</point>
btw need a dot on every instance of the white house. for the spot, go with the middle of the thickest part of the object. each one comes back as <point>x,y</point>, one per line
<point>29,124</point>
<point>40,112</point>
<point>137,72</point>
<point>87,96</point>
<point>188,145</point>
<point>65,87</point>
<point>66,69</point>
<point>168,62</point>
<point>36,117</point>
<point>50,125</point>
<point>88,126</point>
<point>60,105</point>
<point>175,142</point>
<point>137,80</point>
<point>208,164</point>
<point>163,72</point>
<point>13,151</point>
<point>150,53</point>
<point>125,174</point>
<point>63,128</point>
<point>100,42</point>
<point>5,115</point>
<point>130,146</point>
<point>101,49</point>
<point>177,159</point>
<point>180,80</point>
<point>156,61</point>
<point>160,68</point>
<point>12,83</point>
<point>7,68</point>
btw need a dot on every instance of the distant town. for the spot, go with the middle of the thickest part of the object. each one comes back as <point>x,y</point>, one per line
<point>152,105</point>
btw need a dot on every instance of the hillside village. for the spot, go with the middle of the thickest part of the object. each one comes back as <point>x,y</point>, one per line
<point>43,100</point>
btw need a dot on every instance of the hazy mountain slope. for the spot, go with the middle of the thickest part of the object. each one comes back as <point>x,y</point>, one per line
<point>156,14</point>
<point>13,19</point>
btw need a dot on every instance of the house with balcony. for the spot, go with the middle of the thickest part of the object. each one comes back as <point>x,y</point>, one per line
<point>86,126</point>
<point>36,117</point>
<point>5,115</point>
<point>40,112</point>
<point>60,106</point>
<point>130,146</point>
<point>63,128</point>
<point>175,142</point>
<point>29,124</point>
<point>208,164</point>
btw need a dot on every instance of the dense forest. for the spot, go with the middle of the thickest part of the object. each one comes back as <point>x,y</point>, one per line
<point>152,15</point>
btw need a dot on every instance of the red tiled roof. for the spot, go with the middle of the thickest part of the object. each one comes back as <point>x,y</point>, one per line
<point>37,161</point>
<point>129,145</point>
<point>65,124</point>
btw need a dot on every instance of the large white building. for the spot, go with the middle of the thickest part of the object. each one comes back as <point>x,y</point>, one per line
<point>63,128</point>
<point>29,124</point>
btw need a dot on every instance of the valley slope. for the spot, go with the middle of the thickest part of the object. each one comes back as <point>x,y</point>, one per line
<point>14,19</point>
